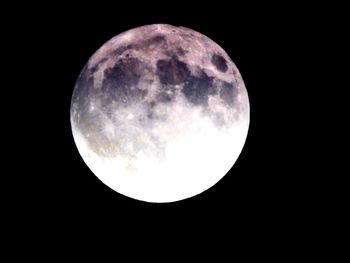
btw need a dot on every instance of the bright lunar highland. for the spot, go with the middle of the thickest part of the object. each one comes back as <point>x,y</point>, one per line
<point>160,113</point>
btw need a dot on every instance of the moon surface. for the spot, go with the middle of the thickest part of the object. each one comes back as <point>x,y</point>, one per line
<point>160,113</point>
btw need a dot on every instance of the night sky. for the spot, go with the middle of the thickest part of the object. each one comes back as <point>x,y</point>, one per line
<point>264,186</point>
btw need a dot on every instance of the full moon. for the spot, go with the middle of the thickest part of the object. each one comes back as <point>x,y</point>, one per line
<point>160,113</point>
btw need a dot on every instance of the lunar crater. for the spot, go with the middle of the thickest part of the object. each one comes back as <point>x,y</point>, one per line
<point>219,62</point>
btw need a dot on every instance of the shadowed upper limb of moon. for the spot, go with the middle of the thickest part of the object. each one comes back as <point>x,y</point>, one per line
<point>160,113</point>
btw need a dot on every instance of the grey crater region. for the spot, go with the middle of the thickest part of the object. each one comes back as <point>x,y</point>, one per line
<point>160,113</point>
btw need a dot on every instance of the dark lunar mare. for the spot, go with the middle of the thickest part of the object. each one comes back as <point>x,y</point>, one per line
<point>228,92</point>
<point>86,120</point>
<point>172,71</point>
<point>197,89</point>
<point>120,81</point>
<point>119,85</point>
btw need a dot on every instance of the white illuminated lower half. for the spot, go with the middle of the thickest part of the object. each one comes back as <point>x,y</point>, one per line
<point>176,159</point>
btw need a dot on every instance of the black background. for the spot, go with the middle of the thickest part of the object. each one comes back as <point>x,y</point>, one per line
<point>265,190</point>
